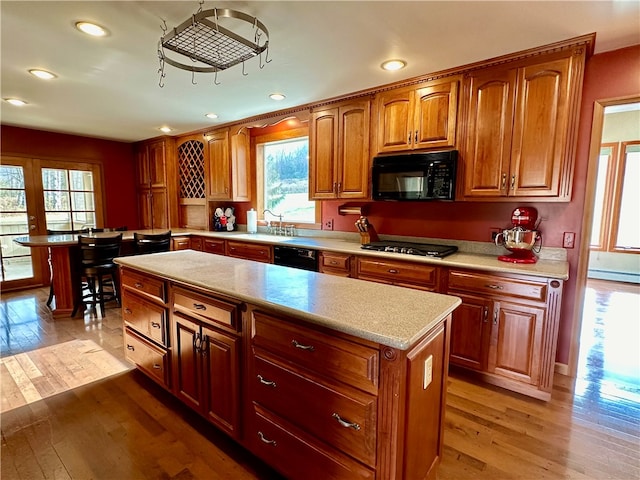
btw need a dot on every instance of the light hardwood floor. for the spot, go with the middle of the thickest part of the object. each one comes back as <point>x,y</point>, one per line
<point>73,409</point>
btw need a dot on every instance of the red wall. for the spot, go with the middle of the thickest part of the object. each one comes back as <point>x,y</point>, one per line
<point>607,75</point>
<point>116,159</point>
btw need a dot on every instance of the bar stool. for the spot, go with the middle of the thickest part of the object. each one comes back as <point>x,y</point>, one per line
<point>55,232</point>
<point>152,242</point>
<point>99,270</point>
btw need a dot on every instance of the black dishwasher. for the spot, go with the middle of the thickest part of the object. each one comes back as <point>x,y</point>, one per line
<point>303,258</point>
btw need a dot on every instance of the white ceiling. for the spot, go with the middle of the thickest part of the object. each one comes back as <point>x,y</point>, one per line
<point>109,87</point>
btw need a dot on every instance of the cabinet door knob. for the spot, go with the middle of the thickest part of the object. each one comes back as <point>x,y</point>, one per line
<point>409,139</point>
<point>495,317</point>
<point>345,423</point>
<point>486,314</point>
<point>309,348</point>
<point>504,181</point>
<point>416,137</point>
<point>513,182</point>
<point>269,383</point>
<point>266,440</point>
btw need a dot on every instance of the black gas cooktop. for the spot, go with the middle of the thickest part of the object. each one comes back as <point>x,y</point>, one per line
<point>410,248</point>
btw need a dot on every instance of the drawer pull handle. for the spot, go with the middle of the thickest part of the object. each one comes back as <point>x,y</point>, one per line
<point>266,440</point>
<point>130,347</point>
<point>138,285</point>
<point>494,287</point>
<point>295,343</point>
<point>344,423</point>
<point>128,311</point>
<point>155,324</point>
<point>199,306</point>
<point>333,262</point>
<point>392,270</point>
<point>269,383</point>
<point>157,366</point>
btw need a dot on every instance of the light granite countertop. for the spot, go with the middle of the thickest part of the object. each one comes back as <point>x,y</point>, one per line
<point>471,255</point>
<point>552,262</point>
<point>393,316</point>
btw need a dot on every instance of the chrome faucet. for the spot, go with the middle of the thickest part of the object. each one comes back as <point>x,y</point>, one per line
<point>279,231</point>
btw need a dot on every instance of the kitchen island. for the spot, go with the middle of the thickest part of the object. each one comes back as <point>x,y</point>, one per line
<point>319,375</point>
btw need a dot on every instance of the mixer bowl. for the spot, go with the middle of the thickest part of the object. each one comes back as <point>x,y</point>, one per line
<point>517,239</point>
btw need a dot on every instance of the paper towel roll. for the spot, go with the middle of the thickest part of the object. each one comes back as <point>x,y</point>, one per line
<point>252,221</point>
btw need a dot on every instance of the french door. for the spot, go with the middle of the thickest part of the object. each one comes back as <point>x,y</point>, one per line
<point>20,215</point>
<point>37,195</point>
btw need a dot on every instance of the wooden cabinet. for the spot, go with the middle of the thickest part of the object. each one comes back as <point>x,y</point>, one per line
<point>250,251</point>
<point>394,272</point>
<point>229,165</point>
<point>325,405</point>
<point>209,245</point>
<point>335,263</point>
<point>506,328</point>
<point>417,117</point>
<point>192,174</point>
<point>156,184</point>
<point>206,357</point>
<point>180,243</point>
<point>145,317</point>
<point>521,127</point>
<point>339,157</point>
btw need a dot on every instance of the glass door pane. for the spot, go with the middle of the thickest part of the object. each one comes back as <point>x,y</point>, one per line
<point>17,219</point>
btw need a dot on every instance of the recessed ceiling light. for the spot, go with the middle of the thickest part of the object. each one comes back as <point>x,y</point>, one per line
<point>91,29</point>
<point>43,74</point>
<point>392,65</point>
<point>165,129</point>
<point>211,115</point>
<point>15,101</point>
<point>277,96</point>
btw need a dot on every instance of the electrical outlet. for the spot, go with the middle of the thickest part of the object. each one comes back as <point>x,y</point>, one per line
<point>328,224</point>
<point>428,372</point>
<point>568,240</point>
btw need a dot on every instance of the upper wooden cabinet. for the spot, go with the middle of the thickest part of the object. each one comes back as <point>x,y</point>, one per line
<point>521,128</point>
<point>156,183</point>
<point>229,167</point>
<point>418,117</point>
<point>339,151</point>
<point>192,167</point>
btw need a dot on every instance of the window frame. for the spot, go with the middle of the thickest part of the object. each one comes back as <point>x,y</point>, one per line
<point>612,199</point>
<point>257,149</point>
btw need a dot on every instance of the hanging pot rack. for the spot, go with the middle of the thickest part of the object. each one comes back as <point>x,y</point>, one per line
<point>202,39</point>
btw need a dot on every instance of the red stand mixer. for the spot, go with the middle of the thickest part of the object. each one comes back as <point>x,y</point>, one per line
<point>522,238</point>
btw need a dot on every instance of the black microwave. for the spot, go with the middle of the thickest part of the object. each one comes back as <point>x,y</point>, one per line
<point>415,176</point>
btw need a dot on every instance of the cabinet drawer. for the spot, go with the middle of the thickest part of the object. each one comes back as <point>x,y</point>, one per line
<point>180,243</point>
<point>335,263</point>
<point>338,415</point>
<point>211,245</point>
<point>250,251</point>
<point>327,355</point>
<point>151,287</point>
<point>147,357</point>
<point>147,318</point>
<point>495,285</point>
<point>206,308</point>
<point>296,455</point>
<point>398,273</point>
<point>195,243</point>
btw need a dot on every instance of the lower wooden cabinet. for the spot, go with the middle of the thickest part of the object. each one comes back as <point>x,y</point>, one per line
<point>326,405</point>
<point>335,263</point>
<point>206,359</point>
<point>405,274</point>
<point>180,243</point>
<point>506,329</point>
<point>148,357</point>
<point>250,251</point>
